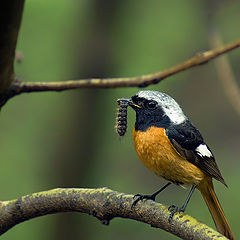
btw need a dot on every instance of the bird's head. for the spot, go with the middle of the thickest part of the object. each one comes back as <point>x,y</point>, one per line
<point>155,108</point>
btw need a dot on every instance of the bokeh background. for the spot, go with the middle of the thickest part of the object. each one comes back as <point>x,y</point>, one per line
<point>67,139</point>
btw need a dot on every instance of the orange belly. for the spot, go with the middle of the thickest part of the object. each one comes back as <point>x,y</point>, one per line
<point>158,154</point>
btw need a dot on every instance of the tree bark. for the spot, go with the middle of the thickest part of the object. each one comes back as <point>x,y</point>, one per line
<point>104,204</point>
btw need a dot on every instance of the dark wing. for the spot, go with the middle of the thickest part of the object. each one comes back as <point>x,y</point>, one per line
<point>189,143</point>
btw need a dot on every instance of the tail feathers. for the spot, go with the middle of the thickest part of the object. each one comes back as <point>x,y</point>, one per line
<point>209,196</point>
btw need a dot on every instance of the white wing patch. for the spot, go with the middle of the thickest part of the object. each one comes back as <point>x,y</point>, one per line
<point>203,151</point>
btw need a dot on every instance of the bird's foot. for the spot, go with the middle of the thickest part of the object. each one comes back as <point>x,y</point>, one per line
<point>174,209</point>
<point>142,197</point>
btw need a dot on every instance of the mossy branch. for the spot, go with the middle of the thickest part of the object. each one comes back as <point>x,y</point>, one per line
<point>105,205</point>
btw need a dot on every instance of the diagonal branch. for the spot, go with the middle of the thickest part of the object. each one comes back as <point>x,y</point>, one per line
<point>225,74</point>
<point>141,81</point>
<point>105,205</point>
<point>19,87</point>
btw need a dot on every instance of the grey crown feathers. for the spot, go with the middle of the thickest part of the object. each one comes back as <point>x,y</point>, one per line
<point>168,104</point>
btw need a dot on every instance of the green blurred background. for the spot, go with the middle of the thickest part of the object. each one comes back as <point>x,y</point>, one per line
<point>67,139</point>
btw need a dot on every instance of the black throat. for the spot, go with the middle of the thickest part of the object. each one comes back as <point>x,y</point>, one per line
<point>145,121</point>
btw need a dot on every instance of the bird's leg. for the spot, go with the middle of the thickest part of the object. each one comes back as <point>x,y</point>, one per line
<point>174,209</point>
<point>148,197</point>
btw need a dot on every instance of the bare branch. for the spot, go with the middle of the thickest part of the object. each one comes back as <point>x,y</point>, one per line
<point>141,81</point>
<point>225,74</point>
<point>19,87</point>
<point>105,205</point>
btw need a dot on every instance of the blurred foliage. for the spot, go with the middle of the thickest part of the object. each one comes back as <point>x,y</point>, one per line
<point>43,134</point>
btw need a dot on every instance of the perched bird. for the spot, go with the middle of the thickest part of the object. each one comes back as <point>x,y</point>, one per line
<point>170,146</point>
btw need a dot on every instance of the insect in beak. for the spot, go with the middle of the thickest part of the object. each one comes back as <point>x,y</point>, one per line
<point>121,120</point>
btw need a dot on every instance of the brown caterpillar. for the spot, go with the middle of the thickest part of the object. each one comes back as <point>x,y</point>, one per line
<point>121,119</point>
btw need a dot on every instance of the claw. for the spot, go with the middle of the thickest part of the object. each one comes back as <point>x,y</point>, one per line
<point>137,195</point>
<point>174,209</point>
<point>148,197</point>
<point>141,198</point>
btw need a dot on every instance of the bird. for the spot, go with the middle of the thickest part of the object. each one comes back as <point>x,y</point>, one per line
<point>170,146</point>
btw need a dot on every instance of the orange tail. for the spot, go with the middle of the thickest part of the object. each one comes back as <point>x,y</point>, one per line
<point>209,196</point>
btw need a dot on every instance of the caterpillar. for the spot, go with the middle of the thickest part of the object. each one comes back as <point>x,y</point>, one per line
<point>121,119</point>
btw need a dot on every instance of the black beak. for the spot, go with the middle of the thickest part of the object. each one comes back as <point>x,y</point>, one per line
<point>133,105</point>
<point>128,102</point>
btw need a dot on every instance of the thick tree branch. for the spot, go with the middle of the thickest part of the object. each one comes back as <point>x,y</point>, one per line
<point>10,20</point>
<point>105,205</point>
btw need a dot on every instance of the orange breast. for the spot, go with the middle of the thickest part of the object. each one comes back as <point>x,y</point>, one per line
<point>157,153</point>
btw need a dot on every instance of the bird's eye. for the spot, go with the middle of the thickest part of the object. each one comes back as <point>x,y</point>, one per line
<point>151,105</point>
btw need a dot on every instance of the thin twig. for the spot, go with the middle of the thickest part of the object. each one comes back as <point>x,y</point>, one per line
<point>225,74</point>
<point>141,81</point>
<point>105,205</point>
